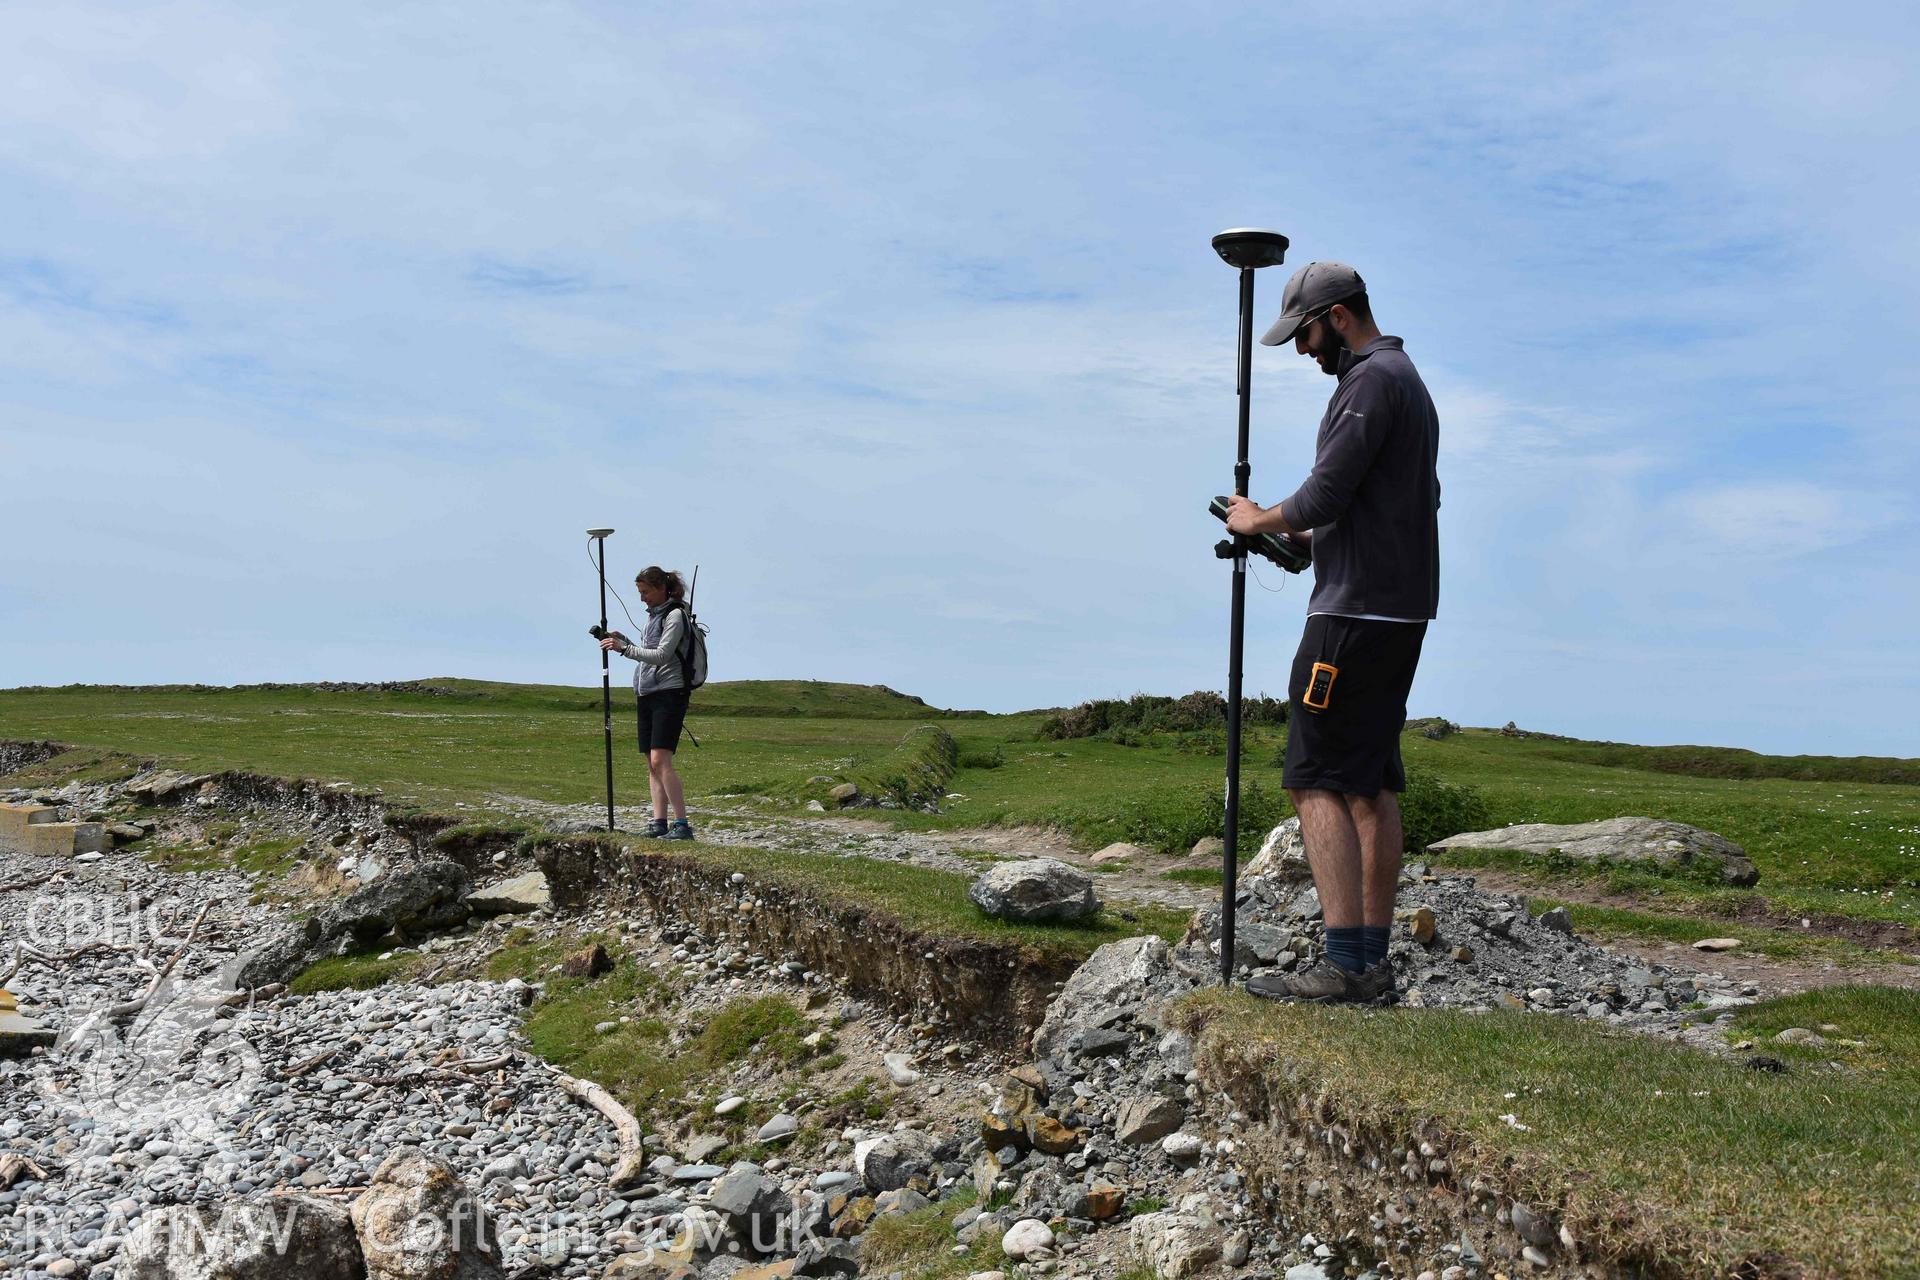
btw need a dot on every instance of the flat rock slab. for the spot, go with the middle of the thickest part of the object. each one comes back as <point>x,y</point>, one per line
<point>522,893</point>
<point>1624,840</point>
<point>1117,852</point>
<point>20,1035</point>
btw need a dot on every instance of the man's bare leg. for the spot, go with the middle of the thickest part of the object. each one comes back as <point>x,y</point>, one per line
<point>1376,819</point>
<point>1335,854</point>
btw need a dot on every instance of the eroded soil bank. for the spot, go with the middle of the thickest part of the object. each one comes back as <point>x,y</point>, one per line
<point>1128,1136</point>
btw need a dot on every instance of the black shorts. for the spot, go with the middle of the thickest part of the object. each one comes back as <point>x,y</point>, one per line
<point>1354,744</point>
<point>662,714</point>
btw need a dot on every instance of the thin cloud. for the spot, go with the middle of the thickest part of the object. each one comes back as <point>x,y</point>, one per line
<point>506,277</point>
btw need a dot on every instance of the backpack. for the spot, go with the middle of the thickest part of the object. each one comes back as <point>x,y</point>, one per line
<point>693,655</point>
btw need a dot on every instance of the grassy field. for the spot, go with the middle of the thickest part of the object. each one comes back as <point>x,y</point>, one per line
<point>1682,1149</point>
<point>1652,1150</point>
<point>1828,834</point>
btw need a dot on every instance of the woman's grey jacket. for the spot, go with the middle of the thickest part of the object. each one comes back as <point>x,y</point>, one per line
<point>658,651</point>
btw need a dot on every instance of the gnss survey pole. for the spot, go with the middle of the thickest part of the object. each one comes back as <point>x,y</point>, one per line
<point>599,537</point>
<point>1249,250</point>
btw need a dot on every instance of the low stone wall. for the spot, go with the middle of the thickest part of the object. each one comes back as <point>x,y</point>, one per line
<point>993,992</point>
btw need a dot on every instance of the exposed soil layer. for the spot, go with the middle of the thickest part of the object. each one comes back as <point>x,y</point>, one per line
<point>997,993</point>
<point>1889,935</point>
<point>1398,1198</point>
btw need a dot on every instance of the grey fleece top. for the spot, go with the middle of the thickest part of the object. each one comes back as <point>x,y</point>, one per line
<point>658,651</point>
<point>1373,498</point>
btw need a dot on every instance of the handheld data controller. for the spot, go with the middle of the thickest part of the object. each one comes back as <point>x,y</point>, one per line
<point>1278,548</point>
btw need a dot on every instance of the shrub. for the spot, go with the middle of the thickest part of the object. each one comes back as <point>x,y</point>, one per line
<point>1171,820</point>
<point>977,755</point>
<point>1433,810</point>
<point>1198,712</point>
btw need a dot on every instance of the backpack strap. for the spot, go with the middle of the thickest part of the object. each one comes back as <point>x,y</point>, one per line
<point>685,652</point>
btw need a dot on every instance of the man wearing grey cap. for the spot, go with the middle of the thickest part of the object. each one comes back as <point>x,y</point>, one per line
<point>1369,509</point>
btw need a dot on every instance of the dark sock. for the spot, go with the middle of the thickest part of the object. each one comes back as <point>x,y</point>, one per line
<point>1373,943</point>
<point>1344,948</point>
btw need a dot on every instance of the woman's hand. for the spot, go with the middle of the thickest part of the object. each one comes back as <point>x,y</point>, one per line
<point>613,642</point>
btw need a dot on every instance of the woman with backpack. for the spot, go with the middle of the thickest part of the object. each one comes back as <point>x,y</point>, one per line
<point>662,684</point>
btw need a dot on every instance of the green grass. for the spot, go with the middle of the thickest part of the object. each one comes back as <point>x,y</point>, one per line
<point>767,1027</point>
<point>923,899</point>
<point>357,971</point>
<point>1195,875</point>
<point>915,773</point>
<point>1827,834</point>
<point>1841,845</point>
<point>920,1245</point>
<point>1603,922</point>
<point>639,1060</point>
<point>265,858</point>
<point>1648,1148</point>
<point>1883,1020</point>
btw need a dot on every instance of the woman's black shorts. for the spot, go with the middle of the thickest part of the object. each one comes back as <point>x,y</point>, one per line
<point>1354,744</point>
<point>662,713</point>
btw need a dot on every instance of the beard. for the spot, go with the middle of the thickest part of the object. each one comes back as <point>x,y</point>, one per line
<point>1326,344</point>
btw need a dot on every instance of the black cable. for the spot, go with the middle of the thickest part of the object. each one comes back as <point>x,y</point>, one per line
<point>1254,569</point>
<point>616,593</point>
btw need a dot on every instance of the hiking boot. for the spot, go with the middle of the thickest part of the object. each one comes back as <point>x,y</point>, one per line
<point>655,828</point>
<point>679,831</point>
<point>1377,983</point>
<point>1324,983</point>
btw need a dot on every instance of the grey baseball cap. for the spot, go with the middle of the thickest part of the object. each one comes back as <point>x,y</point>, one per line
<point>1311,290</point>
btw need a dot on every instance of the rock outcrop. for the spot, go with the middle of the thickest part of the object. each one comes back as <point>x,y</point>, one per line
<point>407,900</point>
<point>1283,856</point>
<point>1648,841</point>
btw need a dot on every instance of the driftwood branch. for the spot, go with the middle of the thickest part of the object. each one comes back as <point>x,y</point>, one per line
<point>632,1163</point>
<point>128,1008</point>
<point>33,882</point>
<point>14,1166</point>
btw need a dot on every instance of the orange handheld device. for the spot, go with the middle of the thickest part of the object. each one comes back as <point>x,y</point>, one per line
<point>1320,686</point>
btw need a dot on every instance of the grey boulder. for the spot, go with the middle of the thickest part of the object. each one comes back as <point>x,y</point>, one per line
<point>269,1238</point>
<point>1283,856</point>
<point>417,1222</point>
<point>887,1162</point>
<point>1034,890</point>
<point>1128,977</point>
<point>755,1207</point>
<point>1175,1245</point>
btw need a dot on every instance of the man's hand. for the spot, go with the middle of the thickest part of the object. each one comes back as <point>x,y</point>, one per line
<point>1243,515</point>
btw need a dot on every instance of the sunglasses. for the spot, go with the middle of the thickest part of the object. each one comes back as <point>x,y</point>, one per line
<point>1305,321</point>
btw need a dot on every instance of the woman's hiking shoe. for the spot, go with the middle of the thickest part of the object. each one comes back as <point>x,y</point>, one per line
<point>679,831</point>
<point>655,828</point>
<point>1324,983</point>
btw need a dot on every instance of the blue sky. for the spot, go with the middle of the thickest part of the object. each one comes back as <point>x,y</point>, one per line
<point>325,331</point>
